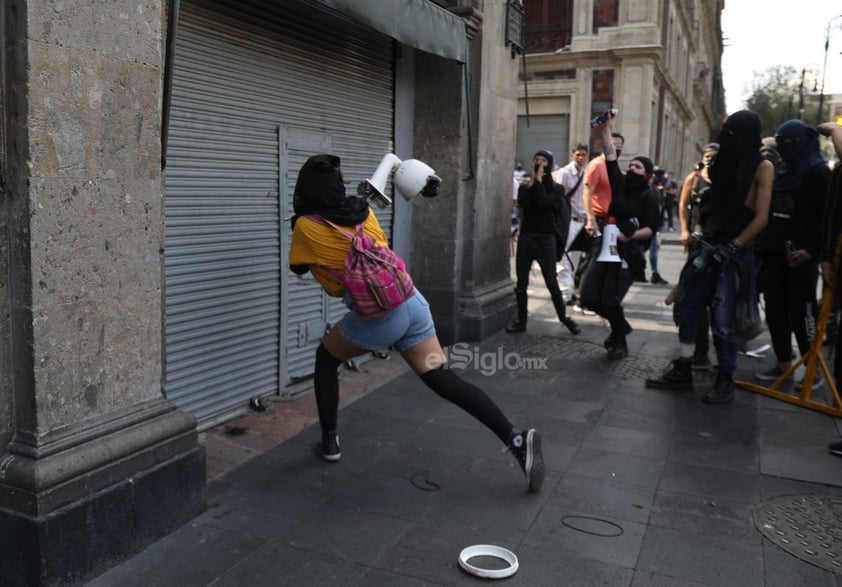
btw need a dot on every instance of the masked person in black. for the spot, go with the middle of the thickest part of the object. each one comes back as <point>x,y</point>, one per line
<point>634,205</point>
<point>790,247</point>
<point>831,230</point>
<point>541,199</point>
<point>722,274</point>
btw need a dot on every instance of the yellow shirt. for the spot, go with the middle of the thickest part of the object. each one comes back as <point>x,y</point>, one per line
<point>318,246</point>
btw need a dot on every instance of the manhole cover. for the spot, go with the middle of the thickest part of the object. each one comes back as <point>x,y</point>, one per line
<point>806,526</point>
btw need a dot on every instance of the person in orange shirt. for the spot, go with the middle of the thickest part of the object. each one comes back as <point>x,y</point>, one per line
<point>597,192</point>
<point>408,328</point>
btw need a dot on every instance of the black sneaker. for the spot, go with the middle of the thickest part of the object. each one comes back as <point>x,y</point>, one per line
<point>722,391</point>
<point>835,448</point>
<point>526,448</point>
<point>618,352</point>
<point>610,341</point>
<point>658,280</point>
<point>678,376</point>
<point>571,325</point>
<point>516,326</point>
<point>328,448</point>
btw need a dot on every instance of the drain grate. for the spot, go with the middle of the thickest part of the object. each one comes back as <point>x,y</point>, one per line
<point>632,367</point>
<point>806,526</point>
<point>553,347</point>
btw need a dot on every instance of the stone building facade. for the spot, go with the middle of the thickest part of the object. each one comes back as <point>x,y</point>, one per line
<point>657,61</point>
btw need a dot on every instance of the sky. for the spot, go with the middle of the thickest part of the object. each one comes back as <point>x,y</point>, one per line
<point>759,34</point>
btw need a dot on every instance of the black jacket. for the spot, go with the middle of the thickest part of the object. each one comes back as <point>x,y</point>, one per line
<point>796,215</point>
<point>544,207</point>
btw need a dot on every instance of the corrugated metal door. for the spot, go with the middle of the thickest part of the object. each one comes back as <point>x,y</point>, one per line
<point>256,90</point>
<point>544,132</point>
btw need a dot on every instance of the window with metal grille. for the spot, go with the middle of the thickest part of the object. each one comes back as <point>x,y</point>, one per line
<point>549,25</point>
<point>604,13</point>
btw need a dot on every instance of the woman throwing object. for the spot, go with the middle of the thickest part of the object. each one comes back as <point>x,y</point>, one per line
<point>324,216</point>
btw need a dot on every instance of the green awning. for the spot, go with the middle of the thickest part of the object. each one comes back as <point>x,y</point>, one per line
<point>418,23</point>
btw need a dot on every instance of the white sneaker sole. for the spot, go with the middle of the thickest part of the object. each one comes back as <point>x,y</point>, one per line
<point>534,465</point>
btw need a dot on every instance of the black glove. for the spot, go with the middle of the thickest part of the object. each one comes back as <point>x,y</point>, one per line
<point>628,227</point>
<point>721,254</point>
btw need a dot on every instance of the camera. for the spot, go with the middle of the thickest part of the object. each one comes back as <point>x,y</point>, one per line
<point>603,118</point>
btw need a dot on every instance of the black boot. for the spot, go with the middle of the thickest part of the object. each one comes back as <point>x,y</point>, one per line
<point>722,391</point>
<point>618,350</point>
<point>611,340</point>
<point>679,376</point>
<point>519,325</point>
<point>561,312</point>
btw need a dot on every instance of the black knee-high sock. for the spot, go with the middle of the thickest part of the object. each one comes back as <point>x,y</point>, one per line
<point>326,383</point>
<point>470,398</point>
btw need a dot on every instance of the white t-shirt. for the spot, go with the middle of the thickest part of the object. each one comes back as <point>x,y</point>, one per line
<point>567,176</point>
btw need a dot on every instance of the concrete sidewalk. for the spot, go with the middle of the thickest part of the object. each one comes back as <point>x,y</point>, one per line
<point>643,487</point>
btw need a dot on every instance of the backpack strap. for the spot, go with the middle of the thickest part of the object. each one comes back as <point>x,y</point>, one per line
<point>697,177</point>
<point>326,222</point>
<point>569,194</point>
<point>360,232</point>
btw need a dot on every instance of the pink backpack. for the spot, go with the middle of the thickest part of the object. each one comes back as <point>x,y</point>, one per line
<point>374,276</point>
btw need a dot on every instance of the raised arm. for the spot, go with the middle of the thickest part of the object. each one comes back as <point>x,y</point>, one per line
<point>834,131</point>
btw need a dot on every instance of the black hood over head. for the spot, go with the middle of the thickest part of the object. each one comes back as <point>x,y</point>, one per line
<point>320,190</point>
<point>798,146</point>
<point>739,154</point>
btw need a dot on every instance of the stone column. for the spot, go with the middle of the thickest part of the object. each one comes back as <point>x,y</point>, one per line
<point>460,242</point>
<point>95,463</point>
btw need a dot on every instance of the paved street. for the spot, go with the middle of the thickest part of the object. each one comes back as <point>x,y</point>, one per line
<point>643,488</point>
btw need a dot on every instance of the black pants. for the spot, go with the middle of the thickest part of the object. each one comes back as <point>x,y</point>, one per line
<point>790,296</point>
<point>541,248</point>
<point>604,286</point>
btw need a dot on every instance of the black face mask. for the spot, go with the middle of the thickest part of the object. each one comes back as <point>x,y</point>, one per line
<point>619,152</point>
<point>636,182</point>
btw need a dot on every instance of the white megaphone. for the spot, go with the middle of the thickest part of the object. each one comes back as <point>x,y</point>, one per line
<point>609,254</point>
<point>411,177</point>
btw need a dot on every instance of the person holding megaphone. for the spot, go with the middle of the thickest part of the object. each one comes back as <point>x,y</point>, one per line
<point>619,249</point>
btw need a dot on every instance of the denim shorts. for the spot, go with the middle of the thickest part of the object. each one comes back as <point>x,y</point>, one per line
<point>402,328</point>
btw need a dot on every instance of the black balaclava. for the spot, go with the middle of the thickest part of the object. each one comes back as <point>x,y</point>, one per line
<point>739,154</point>
<point>548,176</point>
<point>798,146</point>
<point>320,190</point>
<point>636,182</point>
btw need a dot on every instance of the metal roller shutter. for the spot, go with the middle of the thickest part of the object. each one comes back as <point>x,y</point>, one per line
<point>544,132</point>
<point>256,90</point>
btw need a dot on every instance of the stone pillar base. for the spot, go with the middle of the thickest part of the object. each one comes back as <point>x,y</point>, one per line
<point>479,313</point>
<point>60,528</point>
